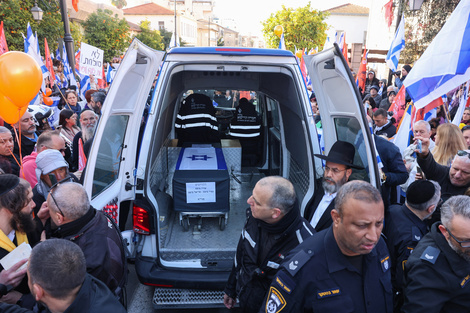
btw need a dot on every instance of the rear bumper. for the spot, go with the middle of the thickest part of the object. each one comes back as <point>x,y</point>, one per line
<point>150,273</point>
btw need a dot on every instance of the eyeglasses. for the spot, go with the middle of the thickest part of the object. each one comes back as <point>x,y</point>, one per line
<point>463,153</point>
<point>463,244</point>
<point>67,179</point>
<point>334,170</point>
<point>60,150</point>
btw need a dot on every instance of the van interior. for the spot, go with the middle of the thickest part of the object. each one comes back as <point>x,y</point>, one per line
<point>207,238</point>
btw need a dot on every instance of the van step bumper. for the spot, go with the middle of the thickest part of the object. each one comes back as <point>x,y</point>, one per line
<point>173,298</point>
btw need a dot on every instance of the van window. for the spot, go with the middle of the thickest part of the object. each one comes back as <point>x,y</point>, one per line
<point>109,153</point>
<point>349,129</point>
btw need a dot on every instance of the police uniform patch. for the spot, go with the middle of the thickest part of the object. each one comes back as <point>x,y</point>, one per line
<point>415,234</point>
<point>328,293</point>
<point>297,261</point>
<point>465,281</point>
<point>275,302</point>
<point>430,254</point>
<point>385,263</point>
<point>284,282</point>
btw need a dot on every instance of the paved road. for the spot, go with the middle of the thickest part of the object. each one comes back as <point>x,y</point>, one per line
<point>140,299</point>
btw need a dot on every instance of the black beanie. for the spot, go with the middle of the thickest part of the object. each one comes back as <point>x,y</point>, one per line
<point>420,191</point>
<point>407,68</point>
<point>8,182</point>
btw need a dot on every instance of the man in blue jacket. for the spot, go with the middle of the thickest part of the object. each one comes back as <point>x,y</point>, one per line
<point>345,268</point>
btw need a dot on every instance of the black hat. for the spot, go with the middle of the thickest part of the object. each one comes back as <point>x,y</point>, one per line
<point>374,87</point>
<point>341,152</point>
<point>420,191</point>
<point>8,182</point>
<point>407,67</point>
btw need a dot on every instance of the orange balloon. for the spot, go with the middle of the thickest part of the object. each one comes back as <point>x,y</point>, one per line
<point>47,101</point>
<point>299,54</point>
<point>10,112</point>
<point>278,30</point>
<point>20,78</point>
<point>48,92</point>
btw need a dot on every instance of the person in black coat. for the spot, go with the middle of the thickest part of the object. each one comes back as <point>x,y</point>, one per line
<point>338,169</point>
<point>58,279</point>
<point>383,126</point>
<point>437,273</point>
<point>405,226</point>
<point>345,268</point>
<point>273,228</point>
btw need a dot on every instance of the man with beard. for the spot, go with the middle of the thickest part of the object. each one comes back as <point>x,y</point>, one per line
<point>87,123</point>
<point>16,225</point>
<point>273,228</point>
<point>345,268</point>
<point>437,273</point>
<point>339,162</point>
<point>26,126</point>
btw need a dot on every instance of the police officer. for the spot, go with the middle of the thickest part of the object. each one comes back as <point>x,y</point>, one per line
<point>437,274</point>
<point>345,268</point>
<point>405,226</point>
<point>273,228</point>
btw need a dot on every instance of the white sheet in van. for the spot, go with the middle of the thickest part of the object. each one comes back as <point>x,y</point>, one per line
<point>199,159</point>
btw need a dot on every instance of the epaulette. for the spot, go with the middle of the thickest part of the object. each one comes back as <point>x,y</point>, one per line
<point>430,254</point>
<point>297,261</point>
<point>415,234</point>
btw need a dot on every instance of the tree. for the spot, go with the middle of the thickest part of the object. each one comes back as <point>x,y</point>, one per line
<point>16,14</point>
<point>149,37</point>
<point>119,3</point>
<point>303,27</point>
<point>423,25</point>
<point>106,32</point>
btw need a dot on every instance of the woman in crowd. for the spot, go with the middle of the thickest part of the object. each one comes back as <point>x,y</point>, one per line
<point>68,126</point>
<point>466,117</point>
<point>449,140</point>
<point>72,101</point>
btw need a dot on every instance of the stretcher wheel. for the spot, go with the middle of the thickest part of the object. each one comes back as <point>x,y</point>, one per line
<point>222,223</point>
<point>185,223</point>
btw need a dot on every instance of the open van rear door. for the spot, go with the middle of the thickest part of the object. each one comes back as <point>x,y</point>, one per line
<point>110,173</point>
<point>341,109</point>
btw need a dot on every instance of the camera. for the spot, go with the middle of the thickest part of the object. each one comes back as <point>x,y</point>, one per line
<point>398,73</point>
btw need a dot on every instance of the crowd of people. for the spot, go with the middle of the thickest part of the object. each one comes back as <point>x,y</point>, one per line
<point>78,261</point>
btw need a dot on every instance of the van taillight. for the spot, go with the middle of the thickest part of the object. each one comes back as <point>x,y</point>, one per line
<point>141,220</point>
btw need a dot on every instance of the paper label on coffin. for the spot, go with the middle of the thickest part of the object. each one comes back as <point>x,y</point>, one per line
<point>203,192</point>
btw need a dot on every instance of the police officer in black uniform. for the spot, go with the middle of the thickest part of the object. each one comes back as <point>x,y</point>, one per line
<point>437,274</point>
<point>345,268</point>
<point>273,228</point>
<point>405,226</point>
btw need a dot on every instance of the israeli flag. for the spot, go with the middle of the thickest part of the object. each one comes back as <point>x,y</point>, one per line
<point>402,138</point>
<point>84,85</point>
<point>67,69</point>
<point>446,62</point>
<point>397,45</point>
<point>109,78</point>
<point>31,47</point>
<point>282,43</point>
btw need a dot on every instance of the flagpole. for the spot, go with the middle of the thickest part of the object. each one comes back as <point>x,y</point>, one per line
<point>67,36</point>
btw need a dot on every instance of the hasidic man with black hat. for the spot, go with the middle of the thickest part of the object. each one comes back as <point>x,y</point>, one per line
<point>405,225</point>
<point>338,168</point>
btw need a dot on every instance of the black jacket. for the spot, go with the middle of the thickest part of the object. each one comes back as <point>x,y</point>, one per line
<point>440,174</point>
<point>437,278</point>
<point>260,251</point>
<point>317,277</point>
<point>325,220</point>
<point>389,130</point>
<point>403,230</point>
<point>27,146</point>
<point>101,244</point>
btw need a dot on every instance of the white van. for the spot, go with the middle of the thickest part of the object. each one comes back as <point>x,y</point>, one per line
<point>132,164</point>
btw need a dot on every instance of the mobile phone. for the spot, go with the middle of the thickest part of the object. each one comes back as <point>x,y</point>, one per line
<point>420,171</point>
<point>419,145</point>
<point>53,179</point>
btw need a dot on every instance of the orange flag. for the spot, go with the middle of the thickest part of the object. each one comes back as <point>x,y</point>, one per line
<point>345,49</point>
<point>361,75</point>
<point>398,105</point>
<point>3,40</point>
<point>49,65</point>
<point>75,5</point>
